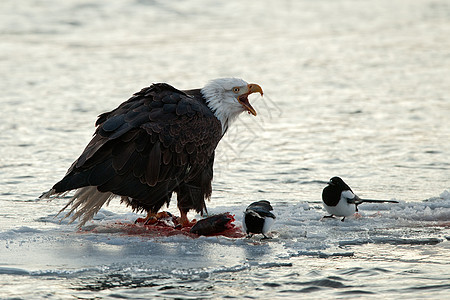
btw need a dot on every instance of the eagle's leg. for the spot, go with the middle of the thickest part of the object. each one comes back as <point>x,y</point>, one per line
<point>189,197</point>
<point>149,219</point>
<point>184,221</point>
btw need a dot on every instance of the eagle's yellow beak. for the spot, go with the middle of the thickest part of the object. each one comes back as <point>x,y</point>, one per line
<point>243,99</point>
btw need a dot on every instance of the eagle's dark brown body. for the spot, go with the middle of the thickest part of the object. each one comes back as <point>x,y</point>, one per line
<point>160,141</point>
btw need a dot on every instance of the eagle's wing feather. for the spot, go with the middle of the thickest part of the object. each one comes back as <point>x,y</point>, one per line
<point>147,146</point>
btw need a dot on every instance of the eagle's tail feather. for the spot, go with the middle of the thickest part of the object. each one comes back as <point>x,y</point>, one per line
<point>50,194</point>
<point>86,202</point>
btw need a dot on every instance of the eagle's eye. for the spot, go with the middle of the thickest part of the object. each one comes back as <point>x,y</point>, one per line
<point>236,90</point>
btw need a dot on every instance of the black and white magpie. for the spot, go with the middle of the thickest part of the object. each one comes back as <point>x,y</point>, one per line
<point>258,218</point>
<point>339,199</point>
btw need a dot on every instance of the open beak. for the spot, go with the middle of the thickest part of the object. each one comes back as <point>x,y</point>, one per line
<point>243,99</point>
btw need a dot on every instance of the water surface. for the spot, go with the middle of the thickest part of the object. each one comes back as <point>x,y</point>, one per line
<point>358,89</point>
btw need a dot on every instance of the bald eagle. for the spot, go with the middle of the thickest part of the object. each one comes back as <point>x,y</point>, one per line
<point>159,142</point>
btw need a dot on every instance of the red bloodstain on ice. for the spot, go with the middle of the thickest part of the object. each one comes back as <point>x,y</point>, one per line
<point>165,226</point>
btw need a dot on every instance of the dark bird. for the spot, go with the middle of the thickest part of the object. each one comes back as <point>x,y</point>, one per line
<point>339,199</point>
<point>214,224</point>
<point>159,142</point>
<point>258,218</point>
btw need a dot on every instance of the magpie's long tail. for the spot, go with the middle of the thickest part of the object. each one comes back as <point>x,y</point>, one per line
<point>378,201</point>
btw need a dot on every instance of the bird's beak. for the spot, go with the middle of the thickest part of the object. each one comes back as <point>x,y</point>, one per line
<point>243,99</point>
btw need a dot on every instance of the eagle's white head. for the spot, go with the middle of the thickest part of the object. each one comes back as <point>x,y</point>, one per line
<point>228,97</point>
